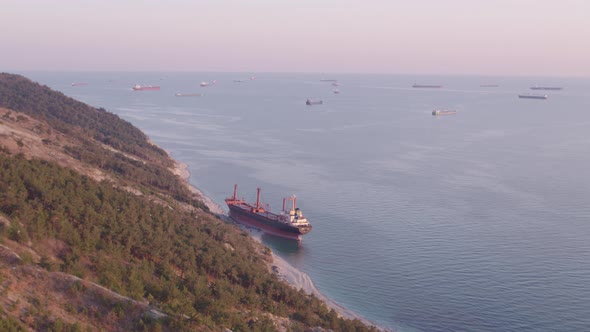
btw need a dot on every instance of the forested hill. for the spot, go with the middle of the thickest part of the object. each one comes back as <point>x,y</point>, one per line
<point>94,137</point>
<point>75,118</point>
<point>97,233</point>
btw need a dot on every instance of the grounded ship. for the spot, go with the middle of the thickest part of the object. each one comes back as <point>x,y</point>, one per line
<point>138,87</point>
<point>289,224</point>
<point>532,96</point>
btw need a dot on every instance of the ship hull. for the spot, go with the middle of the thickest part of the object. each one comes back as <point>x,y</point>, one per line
<point>266,222</point>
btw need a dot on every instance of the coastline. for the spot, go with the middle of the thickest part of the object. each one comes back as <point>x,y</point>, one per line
<point>284,270</point>
<point>181,169</point>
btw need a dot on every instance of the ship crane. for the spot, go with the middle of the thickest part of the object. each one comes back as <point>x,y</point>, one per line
<point>292,199</point>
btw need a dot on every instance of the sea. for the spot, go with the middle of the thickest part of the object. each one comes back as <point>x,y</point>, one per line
<point>476,221</point>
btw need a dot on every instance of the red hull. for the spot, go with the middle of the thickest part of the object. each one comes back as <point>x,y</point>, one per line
<point>250,222</point>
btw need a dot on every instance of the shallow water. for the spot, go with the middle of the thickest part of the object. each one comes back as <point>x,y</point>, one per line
<point>477,221</point>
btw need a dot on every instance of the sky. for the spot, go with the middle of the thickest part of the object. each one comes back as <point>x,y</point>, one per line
<point>444,37</point>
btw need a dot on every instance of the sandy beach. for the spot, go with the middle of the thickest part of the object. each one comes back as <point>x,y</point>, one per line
<point>285,271</point>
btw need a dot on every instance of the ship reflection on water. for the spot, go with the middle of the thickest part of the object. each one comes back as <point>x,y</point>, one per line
<point>280,244</point>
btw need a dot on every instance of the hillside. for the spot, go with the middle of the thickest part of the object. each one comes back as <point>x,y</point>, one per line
<point>98,232</point>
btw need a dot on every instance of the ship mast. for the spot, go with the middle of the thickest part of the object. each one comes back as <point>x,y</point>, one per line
<point>235,191</point>
<point>257,198</point>
<point>257,208</point>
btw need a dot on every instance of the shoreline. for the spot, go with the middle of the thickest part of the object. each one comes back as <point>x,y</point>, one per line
<point>284,270</point>
<point>181,169</point>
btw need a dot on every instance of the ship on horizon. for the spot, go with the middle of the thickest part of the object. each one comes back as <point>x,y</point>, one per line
<point>426,86</point>
<point>310,102</point>
<point>139,87</point>
<point>188,94</point>
<point>552,88</point>
<point>444,112</point>
<point>289,223</point>
<point>532,96</point>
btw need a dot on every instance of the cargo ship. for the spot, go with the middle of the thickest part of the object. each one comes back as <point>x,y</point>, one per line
<point>552,88</point>
<point>444,112</point>
<point>426,86</point>
<point>139,87</point>
<point>288,224</point>
<point>532,96</point>
<point>79,84</point>
<point>188,94</point>
<point>313,102</point>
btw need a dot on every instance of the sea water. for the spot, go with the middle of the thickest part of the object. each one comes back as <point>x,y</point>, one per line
<point>478,221</point>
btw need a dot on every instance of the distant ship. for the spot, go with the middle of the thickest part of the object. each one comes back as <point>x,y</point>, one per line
<point>336,91</point>
<point>289,223</point>
<point>79,84</point>
<point>426,86</point>
<point>444,112</point>
<point>313,102</point>
<point>204,84</point>
<point>138,87</point>
<point>554,88</point>
<point>188,94</point>
<point>335,84</point>
<point>532,96</point>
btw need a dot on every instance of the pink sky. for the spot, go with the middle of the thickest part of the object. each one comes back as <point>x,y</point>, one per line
<point>499,37</point>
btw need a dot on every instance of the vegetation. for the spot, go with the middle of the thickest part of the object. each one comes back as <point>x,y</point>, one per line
<point>202,273</point>
<point>74,118</point>
<point>132,157</point>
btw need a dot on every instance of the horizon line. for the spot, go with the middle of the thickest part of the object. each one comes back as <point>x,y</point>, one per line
<point>294,72</point>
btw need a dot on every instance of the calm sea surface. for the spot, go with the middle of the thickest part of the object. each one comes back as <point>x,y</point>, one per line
<point>478,221</point>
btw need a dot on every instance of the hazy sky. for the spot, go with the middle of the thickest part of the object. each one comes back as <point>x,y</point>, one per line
<point>494,37</point>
